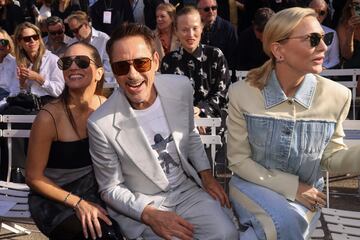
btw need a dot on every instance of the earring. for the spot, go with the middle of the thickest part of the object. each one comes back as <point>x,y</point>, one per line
<point>279,59</point>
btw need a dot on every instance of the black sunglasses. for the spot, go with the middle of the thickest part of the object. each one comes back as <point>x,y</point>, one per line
<point>34,37</point>
<point>56,32</point>
<point>123,67</point>
<point>4,42</point>
<point>76,30</point>
<point>207,9</point>
<point>314,38</point>
<point>81,61</point>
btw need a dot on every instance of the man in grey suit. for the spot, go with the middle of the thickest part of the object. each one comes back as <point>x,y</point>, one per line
<point>149,161</point>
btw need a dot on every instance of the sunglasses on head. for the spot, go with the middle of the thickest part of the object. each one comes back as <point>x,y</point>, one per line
<point>207,9</point>
<point>34,37</point>
<point>76,30</point>
<point>123,67</point>
<point>81,61</point>
<point>4,42</point>
<point>56,32</point>
<point>314,38</point>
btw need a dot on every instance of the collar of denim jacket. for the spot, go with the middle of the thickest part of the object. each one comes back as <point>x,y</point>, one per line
<point>274,95</point>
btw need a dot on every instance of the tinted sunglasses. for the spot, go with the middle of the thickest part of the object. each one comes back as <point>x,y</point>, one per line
<point>207,9</point>
<point>123,67</point>
<point>321,12</point>
<point>314,38</point>
<point>34,37</point>
<point>56,32</point>
<point>76,30</point>
<point>4,42</point>
<point>81,61</point>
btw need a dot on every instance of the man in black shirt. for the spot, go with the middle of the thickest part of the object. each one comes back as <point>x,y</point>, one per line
<point>250,53</point>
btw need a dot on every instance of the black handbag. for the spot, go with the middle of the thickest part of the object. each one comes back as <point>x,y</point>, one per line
<point>25,100</point>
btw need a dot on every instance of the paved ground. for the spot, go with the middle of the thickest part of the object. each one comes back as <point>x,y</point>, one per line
<point>344,195</point>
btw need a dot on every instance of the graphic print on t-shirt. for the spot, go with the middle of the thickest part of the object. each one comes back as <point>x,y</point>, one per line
<point>164,157</point>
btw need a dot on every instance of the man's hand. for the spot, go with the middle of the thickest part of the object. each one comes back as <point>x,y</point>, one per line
<point>167,224</point>
<point>201,129</point>
<point>213,187</point>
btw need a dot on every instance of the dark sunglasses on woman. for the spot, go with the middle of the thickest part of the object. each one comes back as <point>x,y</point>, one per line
<point>123,67</point>
<point>34,37</point>
<point>314,38</point>
<point>4,42</point>
<point>81,61</point>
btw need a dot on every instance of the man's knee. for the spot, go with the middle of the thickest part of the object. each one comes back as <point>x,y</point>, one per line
<point>226,231</point>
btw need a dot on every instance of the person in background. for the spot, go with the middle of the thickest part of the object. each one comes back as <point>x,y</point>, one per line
<point>217,32</point>
<point>144,11</point>
<point>63,9</point>
<point>204,65</point>
<point>8,79</point>
<point>280,142</point>
<point>250,53</point>
<point>80,25</point>
<point>56,41</point>
<point>36,66</point>
<point>107,15</point>
<point>165,37</point>
<point>332,55</point>
<point>64,200</point>
<point>11,15</point>
<point>148,158</point>
<point>348,31</point>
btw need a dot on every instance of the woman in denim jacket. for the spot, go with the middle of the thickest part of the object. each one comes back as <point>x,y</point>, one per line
<point>285,126</point>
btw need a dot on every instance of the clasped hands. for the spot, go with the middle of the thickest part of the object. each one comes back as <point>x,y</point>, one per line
<point>310,197</point>
<point>25,73</point>
<point>168,224</point>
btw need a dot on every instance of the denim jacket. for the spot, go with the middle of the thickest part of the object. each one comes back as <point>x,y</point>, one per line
<point>276,141</point>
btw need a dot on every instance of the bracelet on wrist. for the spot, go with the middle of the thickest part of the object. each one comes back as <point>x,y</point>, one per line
<point>66,198</point>
<point>77,203</point>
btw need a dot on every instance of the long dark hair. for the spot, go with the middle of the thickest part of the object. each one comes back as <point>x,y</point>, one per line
<point>65,96</point>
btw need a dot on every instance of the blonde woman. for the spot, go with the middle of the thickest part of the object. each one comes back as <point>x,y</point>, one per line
<point>165,38</point>
<point>37,71</point>
<point>8,80</point>
<point>279,142</point>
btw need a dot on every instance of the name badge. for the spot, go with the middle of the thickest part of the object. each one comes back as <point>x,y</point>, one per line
<point>107,17</point>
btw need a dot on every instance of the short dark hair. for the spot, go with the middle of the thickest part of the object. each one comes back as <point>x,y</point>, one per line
<point>131,30</point>
<point>52,20</point>
<point>261,17</point>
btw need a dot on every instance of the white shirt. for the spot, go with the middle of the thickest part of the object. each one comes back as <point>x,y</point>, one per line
<point>8,78</point>
<point>54,80</point>
<point>153,122</point>
<point>98,40</point>
<point>332,54</point>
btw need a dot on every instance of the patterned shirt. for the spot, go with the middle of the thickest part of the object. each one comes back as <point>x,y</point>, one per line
<point>208,72</point>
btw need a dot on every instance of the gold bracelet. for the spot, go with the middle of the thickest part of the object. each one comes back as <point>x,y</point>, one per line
<point>66,198</point>
<point>78,202</point>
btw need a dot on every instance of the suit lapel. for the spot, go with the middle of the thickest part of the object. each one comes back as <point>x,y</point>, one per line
<point>133,141</point>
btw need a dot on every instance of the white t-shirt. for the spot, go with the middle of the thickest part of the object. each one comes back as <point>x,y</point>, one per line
<point>153,123</point>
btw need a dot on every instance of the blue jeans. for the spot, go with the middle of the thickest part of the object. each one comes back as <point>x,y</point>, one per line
<point>266,215</point>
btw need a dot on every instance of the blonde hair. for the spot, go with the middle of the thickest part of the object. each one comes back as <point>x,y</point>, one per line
<point>279,27</point>
<point>20,53</point>
<point>169,9</point>
<point>80,16</point>
<point>11,43</point>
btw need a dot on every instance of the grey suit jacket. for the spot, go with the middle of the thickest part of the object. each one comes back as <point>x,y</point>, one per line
<point>128,173</point>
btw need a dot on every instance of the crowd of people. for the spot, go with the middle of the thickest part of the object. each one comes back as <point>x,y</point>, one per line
<point>133,165</point>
